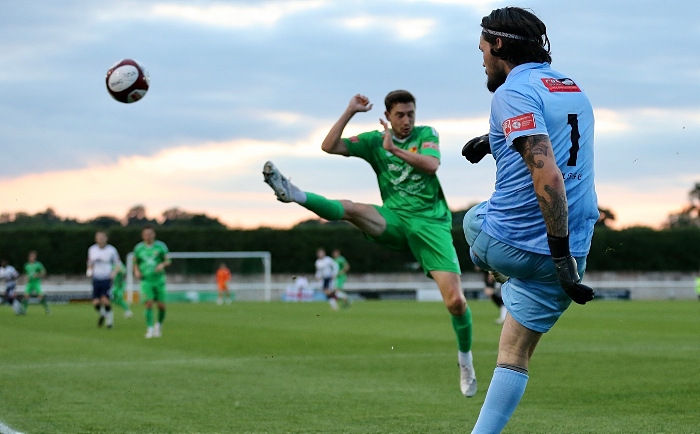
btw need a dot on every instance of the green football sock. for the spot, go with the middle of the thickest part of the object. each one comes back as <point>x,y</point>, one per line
<point>121,303</point>
<point>149,317</point>
<point>463,329</point>
<point>25,303</point>
<point>161,315</point>
<point>324,208</point>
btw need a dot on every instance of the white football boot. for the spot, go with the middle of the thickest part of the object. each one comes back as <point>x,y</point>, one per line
<point>467,379</point>
<point>280,184</point>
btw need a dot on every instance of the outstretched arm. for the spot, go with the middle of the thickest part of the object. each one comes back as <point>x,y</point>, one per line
<point>425,163</point>
<point>333,144</point>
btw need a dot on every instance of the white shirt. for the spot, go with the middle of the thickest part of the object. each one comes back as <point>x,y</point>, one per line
<point>301,283</point>
<point>8,273</point>
<point>326,268</point>
<point>102,261</point>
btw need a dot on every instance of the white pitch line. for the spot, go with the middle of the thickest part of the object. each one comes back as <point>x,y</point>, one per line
<point>4,429</point>
<point>227,360</point>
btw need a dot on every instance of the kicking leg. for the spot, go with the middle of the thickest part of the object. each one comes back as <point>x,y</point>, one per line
<point>451,289</point>
<point>515,349</point>
<point>364,216</point>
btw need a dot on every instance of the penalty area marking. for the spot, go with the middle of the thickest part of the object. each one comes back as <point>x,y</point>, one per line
<point>4,429</point>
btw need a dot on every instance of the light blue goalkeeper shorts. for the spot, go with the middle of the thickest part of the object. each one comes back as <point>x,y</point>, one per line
<point>532,295</point>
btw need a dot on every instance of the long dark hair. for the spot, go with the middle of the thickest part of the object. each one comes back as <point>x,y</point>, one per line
<point>524,35</point>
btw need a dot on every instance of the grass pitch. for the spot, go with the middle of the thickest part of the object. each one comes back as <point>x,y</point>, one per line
<point>379,367</point>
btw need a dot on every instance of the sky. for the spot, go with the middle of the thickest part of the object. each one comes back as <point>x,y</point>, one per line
<point>234,84</point>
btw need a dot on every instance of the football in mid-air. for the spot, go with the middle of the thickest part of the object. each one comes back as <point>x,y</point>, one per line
<point>127,81</point>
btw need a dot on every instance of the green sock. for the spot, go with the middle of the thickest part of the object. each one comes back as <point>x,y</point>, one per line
<point>161,315</point>
<point>324,208</point>
<point>463,330</point>
<point>149,317</point>
<point>121,303</point>
<point>25,303</point>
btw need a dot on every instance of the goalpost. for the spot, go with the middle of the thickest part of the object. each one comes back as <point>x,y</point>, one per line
<point>265,285</point>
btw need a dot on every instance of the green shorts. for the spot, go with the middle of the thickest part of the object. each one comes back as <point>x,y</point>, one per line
<point>33,289</point>
<point>340,281</point>
<point>153,290</point>
<point>429,240</point>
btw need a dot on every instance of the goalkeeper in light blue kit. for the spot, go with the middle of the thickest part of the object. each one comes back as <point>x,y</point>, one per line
<point>538,224</point>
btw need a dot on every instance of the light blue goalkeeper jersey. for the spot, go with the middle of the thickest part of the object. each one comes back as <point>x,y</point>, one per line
<point>538,100</point>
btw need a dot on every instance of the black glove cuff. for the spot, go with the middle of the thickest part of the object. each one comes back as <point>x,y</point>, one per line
<point>559,246</point>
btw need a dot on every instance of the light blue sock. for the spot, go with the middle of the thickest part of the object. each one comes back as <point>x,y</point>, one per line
<point>506,389</point>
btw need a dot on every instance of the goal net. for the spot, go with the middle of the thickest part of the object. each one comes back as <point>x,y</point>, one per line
<point>192,276</point>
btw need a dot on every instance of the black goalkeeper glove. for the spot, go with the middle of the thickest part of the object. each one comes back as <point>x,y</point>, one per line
<point>567,271</point>
<point>476,149</point>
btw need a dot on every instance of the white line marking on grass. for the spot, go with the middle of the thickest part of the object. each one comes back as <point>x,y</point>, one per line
<point>228,360</point>
<point>4,429</point>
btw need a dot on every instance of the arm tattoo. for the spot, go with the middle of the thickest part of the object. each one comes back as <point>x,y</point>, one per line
<point>555,211</point>
<point>530,148</point>
<point>535,150</point>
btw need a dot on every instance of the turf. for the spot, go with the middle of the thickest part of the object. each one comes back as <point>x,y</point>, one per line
<point>379,367</point>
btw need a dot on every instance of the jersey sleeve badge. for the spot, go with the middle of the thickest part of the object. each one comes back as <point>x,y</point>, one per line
<point>430,145</point>
<point>519,123</point>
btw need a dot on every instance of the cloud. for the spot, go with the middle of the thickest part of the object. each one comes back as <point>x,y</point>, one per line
<point>405,28</point>
<point>219,14</point>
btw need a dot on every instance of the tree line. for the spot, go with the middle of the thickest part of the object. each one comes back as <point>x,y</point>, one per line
<point>63,250</point>
<point>62,243</point>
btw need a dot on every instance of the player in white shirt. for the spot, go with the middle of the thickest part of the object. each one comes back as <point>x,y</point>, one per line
<point>326,270</point>
<point>102,264</point>
<point>9,274</point>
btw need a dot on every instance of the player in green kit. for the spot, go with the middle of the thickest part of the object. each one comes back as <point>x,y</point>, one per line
<point>150,260</point>
<point>118,290</point>
<point>35,271</point>
<point>341,277</point>
<point>414,215</point>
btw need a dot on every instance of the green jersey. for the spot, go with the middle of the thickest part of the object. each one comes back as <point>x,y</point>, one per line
<point>148,257</point>
<point>403,188</point>
<point>341,261</point>
<point>34,271</point>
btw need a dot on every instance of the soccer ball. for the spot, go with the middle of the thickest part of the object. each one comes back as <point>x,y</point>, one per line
<point>127,81</point>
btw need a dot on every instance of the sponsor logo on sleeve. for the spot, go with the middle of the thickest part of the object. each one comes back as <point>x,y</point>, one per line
<point>354,139</point>
<point>430,145</point>
<point>519,123</point>
<point>560,85</point>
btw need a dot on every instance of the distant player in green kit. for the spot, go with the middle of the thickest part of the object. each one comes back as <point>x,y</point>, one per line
<point>341,277</point>
<point>35,271</point>
<point>414,215</point>
<point>118,290</point>
<point>150,260</point>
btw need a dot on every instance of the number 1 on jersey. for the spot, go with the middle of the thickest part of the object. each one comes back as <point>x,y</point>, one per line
<point>573,152</point>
